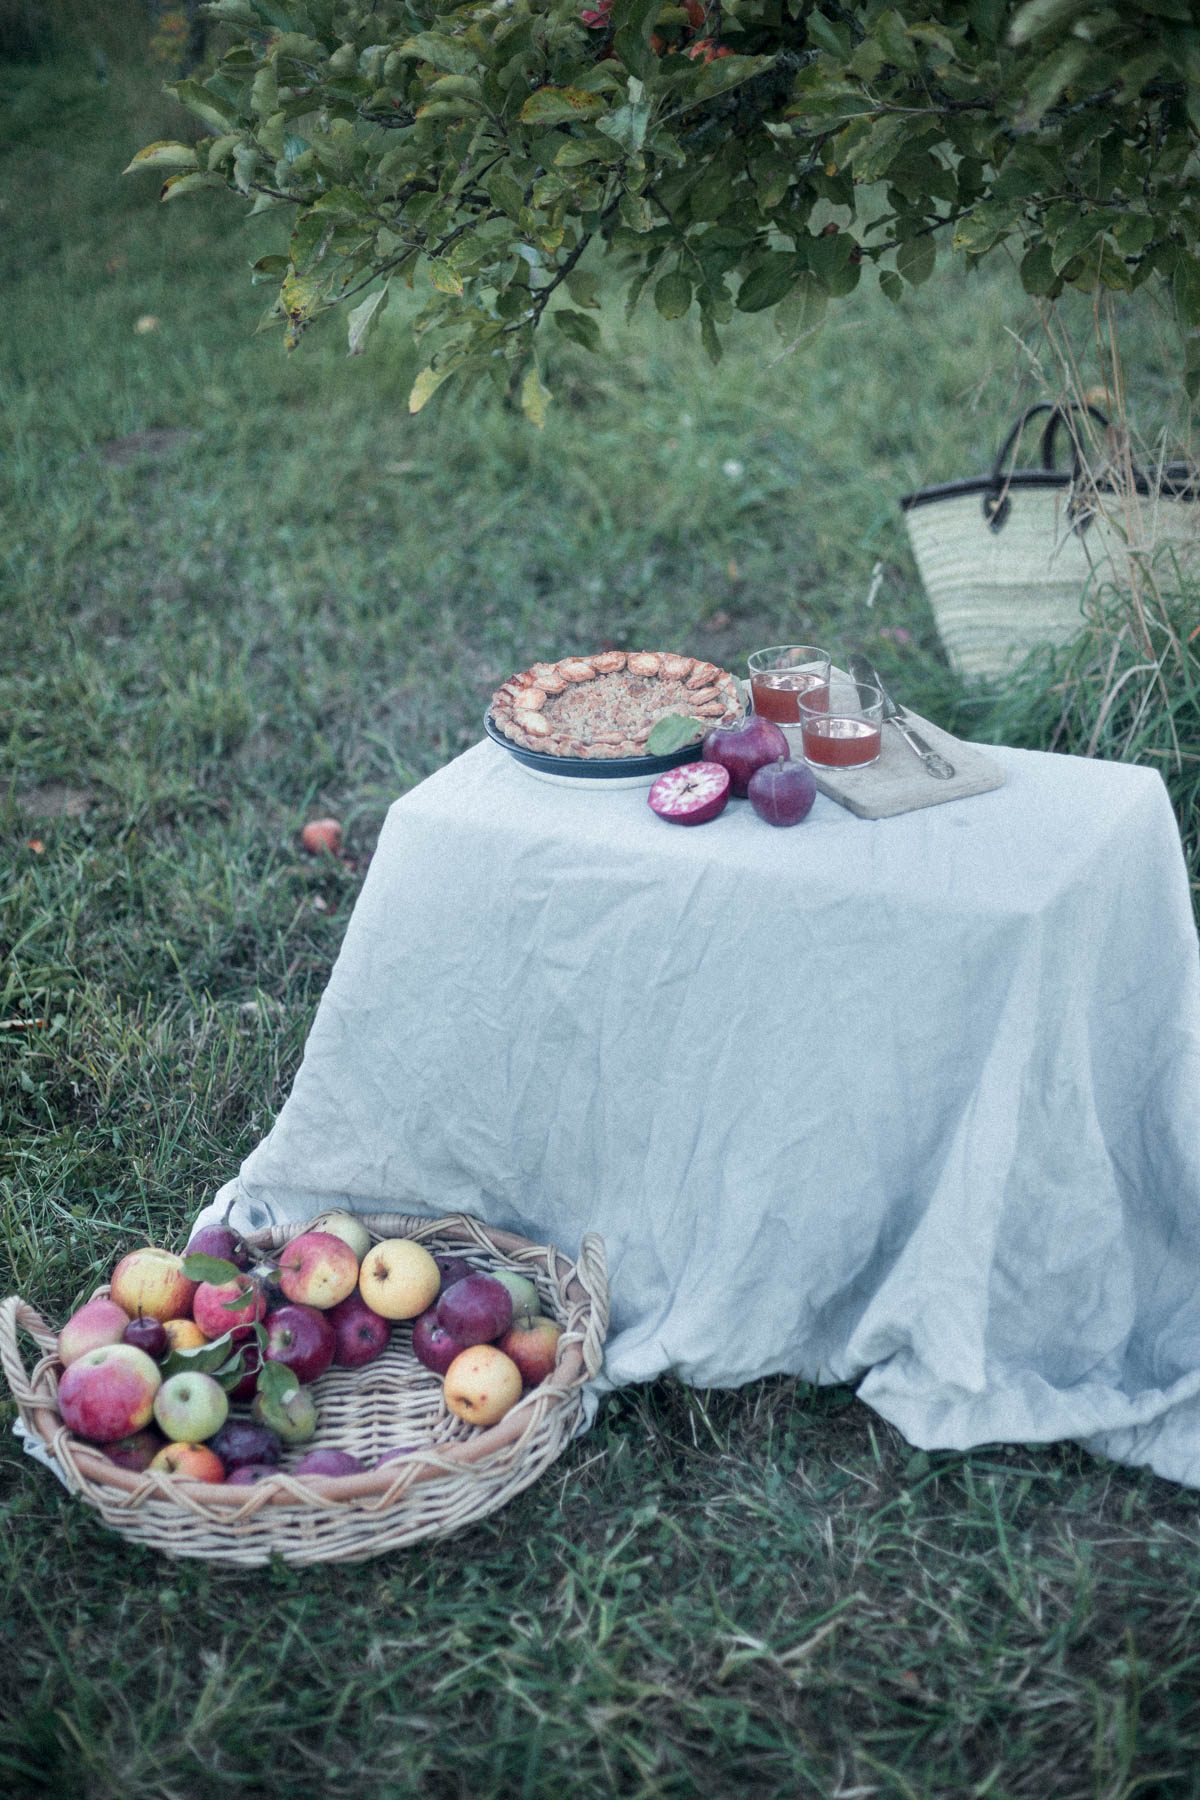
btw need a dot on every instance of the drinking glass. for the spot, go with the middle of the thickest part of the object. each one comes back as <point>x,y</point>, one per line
<point>779,676</point>
<point>841,724</point>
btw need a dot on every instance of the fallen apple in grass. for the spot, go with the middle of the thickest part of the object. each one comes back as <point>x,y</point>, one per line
<point>692,794</point>
<point>108,1393</point>
<point>317,1269</point>
<point>782,792</point>
<point>322,834</point>
<point>743,747</point>
<point>191,1407</point>
<point>97,1322</point>
<point>152,1281</point>
<point>360,1333</point>
<point>481,1384</point>
<point>399,1278</point>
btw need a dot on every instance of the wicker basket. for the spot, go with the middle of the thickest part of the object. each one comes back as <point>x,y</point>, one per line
<point>455,1473</point>
<point>1007,558</point>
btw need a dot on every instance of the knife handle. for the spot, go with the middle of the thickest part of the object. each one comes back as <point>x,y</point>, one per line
<point>935,764</point>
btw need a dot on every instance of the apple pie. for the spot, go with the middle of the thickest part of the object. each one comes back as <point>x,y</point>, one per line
<point>607,705</point>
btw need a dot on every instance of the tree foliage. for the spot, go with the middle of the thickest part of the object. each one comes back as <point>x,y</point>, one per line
<point>731,156</point>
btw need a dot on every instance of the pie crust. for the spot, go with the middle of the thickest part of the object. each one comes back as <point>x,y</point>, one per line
<point>607,705</point>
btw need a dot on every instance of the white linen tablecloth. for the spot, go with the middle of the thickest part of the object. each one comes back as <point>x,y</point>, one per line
<point>912,1103</point>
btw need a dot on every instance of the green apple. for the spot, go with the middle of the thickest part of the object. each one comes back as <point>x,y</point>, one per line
<point>190,1407</point>
<point>292,1413</point>
<point>344,1225</point>
<point>526,1304</point>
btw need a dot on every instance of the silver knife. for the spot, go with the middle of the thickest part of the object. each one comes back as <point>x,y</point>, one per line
<point>864,671</point>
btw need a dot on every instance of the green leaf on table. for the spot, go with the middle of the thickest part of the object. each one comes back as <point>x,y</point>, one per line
<point>673,732</point>
<point>198,1267</point>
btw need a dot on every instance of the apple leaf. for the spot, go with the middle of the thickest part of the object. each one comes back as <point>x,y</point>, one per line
<point>205,1359</point>
<point>277,1384</point>
<point>673,732</point>
<point>214,1269</point>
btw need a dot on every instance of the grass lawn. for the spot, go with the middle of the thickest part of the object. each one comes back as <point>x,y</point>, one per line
<point>239,589</point>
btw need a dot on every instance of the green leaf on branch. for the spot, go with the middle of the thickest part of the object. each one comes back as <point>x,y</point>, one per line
<point>427,384</point>
<point>1037,272</point>
<point>364,319</point>
<point>175,185</point>
<point>1185,288</point>
<point>163,155</point>
<point>916,258</point>
<point>204,104</point>
<point>626,126</point>
<point>447,53</point>
<point>579,328</point>
<point>769,282</point>
<point>535,397</point>
<point>633,22</point>
<point>673,295</point>
<point>555,106</point>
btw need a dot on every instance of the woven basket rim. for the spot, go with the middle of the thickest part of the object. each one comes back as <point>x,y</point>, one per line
<point>541,1422</point>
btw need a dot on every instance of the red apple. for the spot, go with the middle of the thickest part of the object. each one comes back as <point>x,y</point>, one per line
<point>232,1306</point>
<point>360,1333</point>
<point>322,834</point>
<point>782,792</point>
<point>242,1441</point>
<point>152,1281</point>
<point>533,1347</point>
<point>98,1322</point>
<point>744,747</point>
<point>218,1240</point>
<point>452,1269</point>
<point>475,1310</point>
<point>247,1383</point>
<point>108,1393</point>
<point>432,1344</point>
<point>328,1462</point>
<point>250,1474</point>
<point>137,1451</point>
<point>149,1335</point>
<point>302,1339</point>
<point>196,1461</point>
<point>317,1269</point>
<point>692,794</point>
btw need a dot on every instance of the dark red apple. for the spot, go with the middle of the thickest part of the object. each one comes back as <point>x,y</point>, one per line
<point>246,1386</point>
<point>146,1334</point>
<point>360,1333</point>
<point>218,1240</point>
<point>391,1456</point>
<point>241,1441</point>
<point>782,792</point>
<point>475,1310</point>
<point>136,1451</point>
<point>432,1344</point>
<point>744,747</point>
<point>328,1462</point>
<point>453,1268</point>
<point>248,1473</point>
<point>692,794</point>
<point>301,1338</point>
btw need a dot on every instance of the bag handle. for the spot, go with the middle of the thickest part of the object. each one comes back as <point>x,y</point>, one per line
<point>996,503</point>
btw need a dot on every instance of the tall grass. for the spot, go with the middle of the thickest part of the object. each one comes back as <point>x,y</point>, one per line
<point>239,589</point>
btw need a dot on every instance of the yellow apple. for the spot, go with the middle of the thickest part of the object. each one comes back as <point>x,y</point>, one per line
<point>481,1384</point>
<point>399,1278</point>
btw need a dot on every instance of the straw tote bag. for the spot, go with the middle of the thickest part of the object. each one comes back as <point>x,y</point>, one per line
<point>1006,558</point>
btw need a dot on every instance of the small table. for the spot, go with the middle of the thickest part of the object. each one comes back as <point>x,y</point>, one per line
<point>912,1103</point>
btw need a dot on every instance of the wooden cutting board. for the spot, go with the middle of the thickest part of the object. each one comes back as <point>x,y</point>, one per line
<point>898,783</point>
